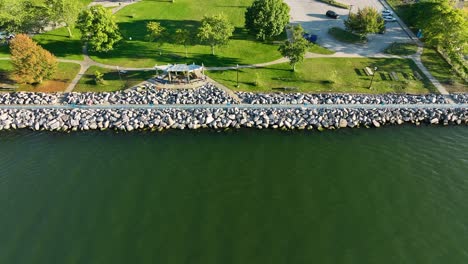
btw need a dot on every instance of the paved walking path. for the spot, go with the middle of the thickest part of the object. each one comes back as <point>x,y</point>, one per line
<point>241,106</point>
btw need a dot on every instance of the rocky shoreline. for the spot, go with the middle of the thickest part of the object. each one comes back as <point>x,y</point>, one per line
<point>210,94</point>
<point>173,118</point>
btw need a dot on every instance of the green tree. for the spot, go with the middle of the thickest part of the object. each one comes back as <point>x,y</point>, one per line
<point>267,18</point>
<point>445,28</point>
<point>65,11</point>
<point>183,37</point>
<point>366,21</point>
<point>31,63</point>
<point>296,48</point>
<point>98,28</point>
<point>23,16</point>
<point>155,33</point>
<point>215,31</point>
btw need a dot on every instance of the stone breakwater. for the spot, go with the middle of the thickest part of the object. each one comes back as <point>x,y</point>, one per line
<point>21,98</point>
<point>173,118</point>
<point>207,94</point>
<point>304,98</point>
<point>461,98</point>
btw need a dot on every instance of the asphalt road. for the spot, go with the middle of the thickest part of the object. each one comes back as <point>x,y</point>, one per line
<point>311,15</point>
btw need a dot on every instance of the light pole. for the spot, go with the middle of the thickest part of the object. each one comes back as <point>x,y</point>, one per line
<point>237,72</point>
<point>373,75</point>
<point>350,7</point>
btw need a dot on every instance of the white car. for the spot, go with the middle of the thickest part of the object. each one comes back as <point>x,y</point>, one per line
<point>389,19</point>
<point>387,12</point>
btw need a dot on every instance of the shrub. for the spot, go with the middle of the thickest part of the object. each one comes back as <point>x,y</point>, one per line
<point>99,78</point>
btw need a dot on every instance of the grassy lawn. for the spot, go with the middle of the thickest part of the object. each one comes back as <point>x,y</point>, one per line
<point>242,49</point>
<point>4,51</point>
<point>315,48</point>
<point>335,75</point>
<point>402,49</point>
<point>441,70</point>
<point>59,82</point>
<point>59,44</point>
<point>344,36</point>
<point>112,80</point>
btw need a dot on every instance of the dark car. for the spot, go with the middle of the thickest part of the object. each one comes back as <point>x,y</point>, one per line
<point>332,14</point>
<point>310,38</point>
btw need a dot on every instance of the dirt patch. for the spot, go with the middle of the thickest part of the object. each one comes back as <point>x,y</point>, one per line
<point>46,87</point>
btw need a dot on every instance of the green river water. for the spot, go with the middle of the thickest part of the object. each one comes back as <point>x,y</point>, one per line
<point>389,195</point>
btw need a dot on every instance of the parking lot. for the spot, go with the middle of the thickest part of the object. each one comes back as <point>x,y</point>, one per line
<point>311,15</point>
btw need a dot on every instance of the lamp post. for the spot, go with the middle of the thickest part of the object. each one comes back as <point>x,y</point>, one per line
<point>349,13</point>
<point>237,72</point>
<point>373,75</point>
<point>118,70</point>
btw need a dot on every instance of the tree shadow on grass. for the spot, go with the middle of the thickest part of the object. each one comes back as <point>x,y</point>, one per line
<point>63,48</point>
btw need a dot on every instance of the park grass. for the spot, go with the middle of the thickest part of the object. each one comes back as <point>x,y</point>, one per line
<point>344,36</point>
<point>113,81</point>
<point>335,3</point>
<point>4,51</point>
<point>441,70</point>
<point>59,82</point>
<point>185,14</point>
<point>401,49</point>
<point>329,75</point>
<point>58,43</point>
<point>317,49</point>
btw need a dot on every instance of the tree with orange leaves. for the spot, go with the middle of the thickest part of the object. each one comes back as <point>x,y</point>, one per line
<point>31,63</point>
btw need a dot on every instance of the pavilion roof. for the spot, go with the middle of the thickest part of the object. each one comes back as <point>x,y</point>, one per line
<point>180,67</point>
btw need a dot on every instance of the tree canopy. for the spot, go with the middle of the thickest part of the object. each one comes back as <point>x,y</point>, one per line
<point>31,63</point>
<point>23,16</point>
<point>65,11</point>
<point>446,28</point>
<point>215,31</point>
<point>98,28</point>
<point>183,37</point>
<point>296,48</point>
<point>366,21</point>
<point>267,18</point>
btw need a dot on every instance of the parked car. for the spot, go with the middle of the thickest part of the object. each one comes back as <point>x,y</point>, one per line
<point>310,38</point>
<point>332,14</point>
<point>389,19</point>
<point>387,12</point>
<point>6,36</point>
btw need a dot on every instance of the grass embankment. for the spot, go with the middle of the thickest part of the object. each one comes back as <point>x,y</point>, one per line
<point>335,3</point>
<point>315,48</point>
<point>184,14</point>
<point>335,75</point>
<point>113,82</point>
<point>59,82</point>
<point>441,70</point>
<point>401,49</point>
<point>344,36</point>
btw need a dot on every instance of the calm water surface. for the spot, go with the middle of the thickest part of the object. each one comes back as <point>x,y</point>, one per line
<point>392,195</point>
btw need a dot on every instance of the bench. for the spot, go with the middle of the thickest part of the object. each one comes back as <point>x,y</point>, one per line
<point>7,88</point>
<point>394,76</point>
<point>368,71</point>
<point>417,75</point>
